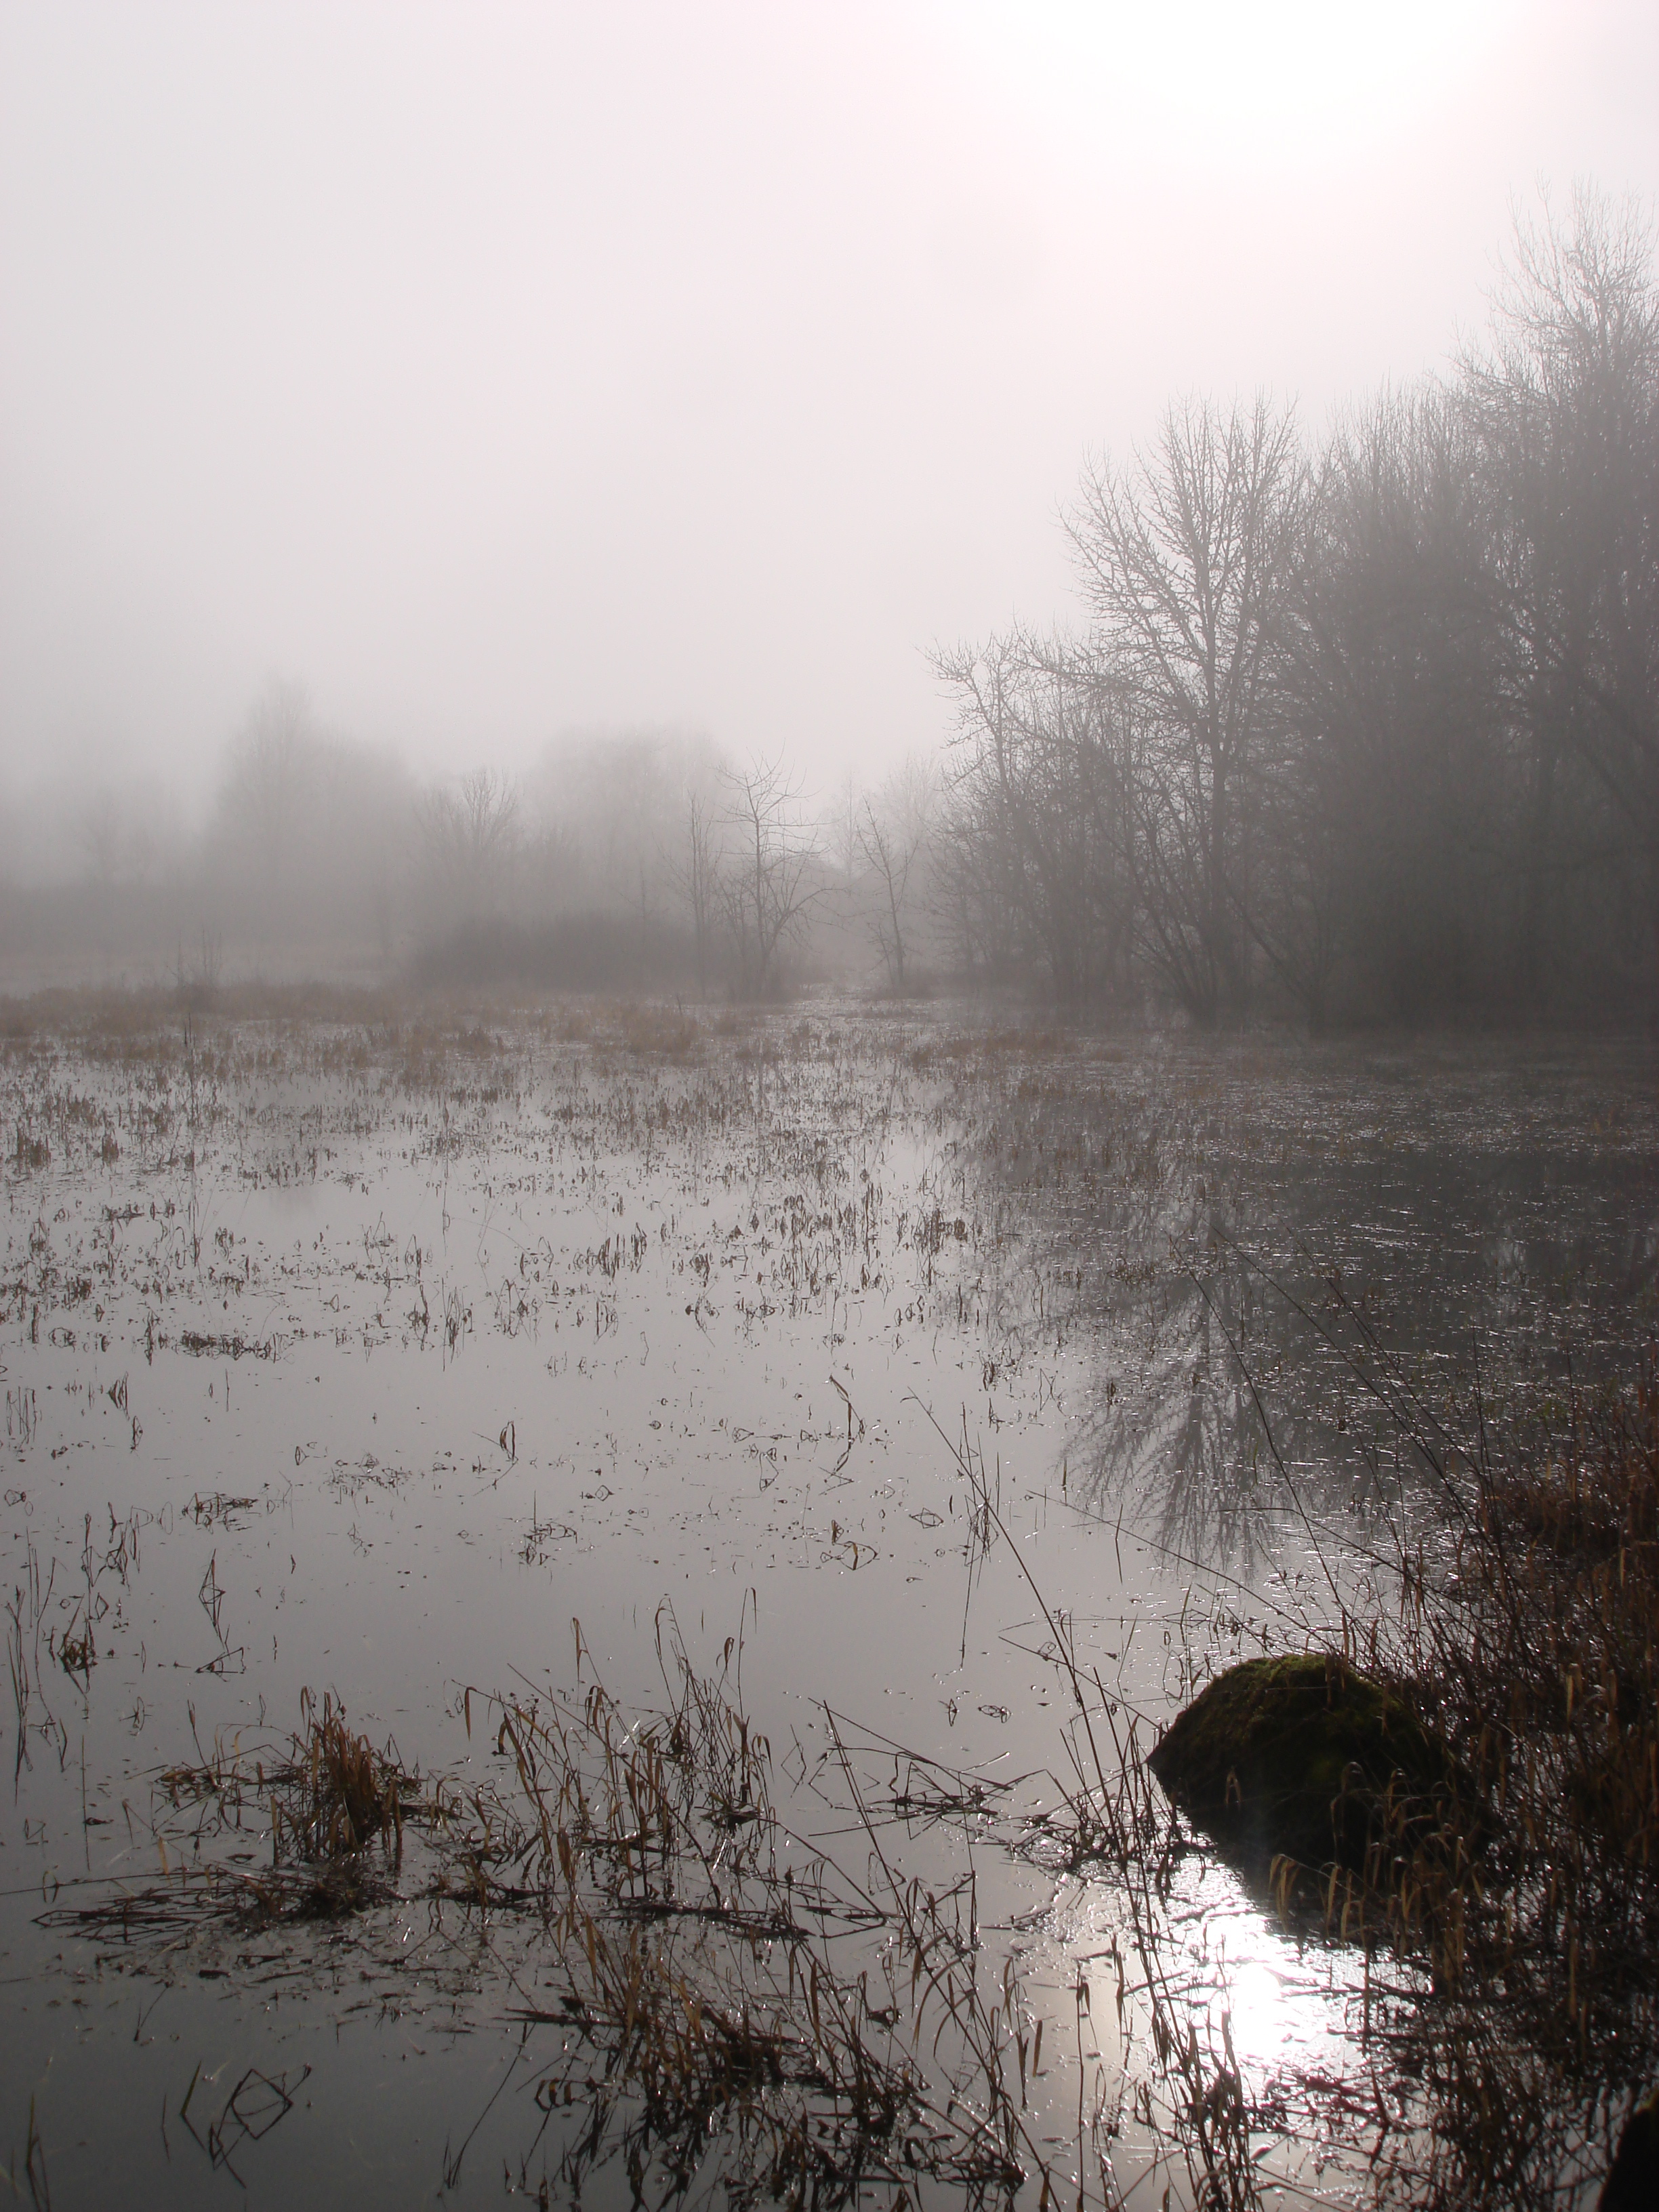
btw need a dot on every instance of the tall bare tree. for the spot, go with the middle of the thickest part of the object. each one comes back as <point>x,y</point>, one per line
<point>273,761</point>
<point>1565,401</point>
<point>765,890</point>
<point>470,839</point>
<point>696,871</point>
<point>1187,561</point>
<point>1032,843</point>
<point>891,830</point>
<point>1384,797</point>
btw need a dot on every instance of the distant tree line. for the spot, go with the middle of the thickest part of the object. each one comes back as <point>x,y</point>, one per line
<point>659,865</point>
<point>1366,731</point>
<point>632,861</point>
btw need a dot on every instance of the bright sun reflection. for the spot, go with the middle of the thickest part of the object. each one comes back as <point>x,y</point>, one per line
<point>1283,2006</point>
<point>1259,2014</point>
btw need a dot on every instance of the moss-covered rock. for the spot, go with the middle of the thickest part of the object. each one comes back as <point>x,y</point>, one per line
<point>1307,1756</point>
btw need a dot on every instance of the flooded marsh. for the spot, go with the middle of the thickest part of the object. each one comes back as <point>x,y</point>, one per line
<point>568,1574</point>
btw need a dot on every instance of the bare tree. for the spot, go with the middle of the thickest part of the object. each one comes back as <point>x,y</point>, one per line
<point>765,890</point>
<point>367,801</point>
<point>550,862</point>
<point>1187,561</point>
<point>1379,737</point>
<point>696,872</point>
<point>271,775</point>
<point>1383,797</point>
<point>101,834</point>
<point>1566,402</point>
<point>846,849</point>
<point>1032,847</point>
<point>891,831</point>
<point>470,839</point>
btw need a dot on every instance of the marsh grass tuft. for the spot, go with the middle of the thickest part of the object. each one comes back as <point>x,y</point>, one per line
<point>338,1795</point>
<point>334,1809</point>
<point>717,1993</point>
<point>694,1946</point>
<point>1536,1654</point>
<point>1520,1903</point>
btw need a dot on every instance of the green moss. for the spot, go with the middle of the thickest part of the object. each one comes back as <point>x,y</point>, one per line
<point>1306,1757</point>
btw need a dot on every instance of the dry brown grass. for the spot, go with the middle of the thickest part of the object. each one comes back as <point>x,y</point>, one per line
<point>723,1997</point>
<point>1522,2025</point>
<point>700,1959</point>
<point>1512,2021</point>
<point>1537,1657</point>
<point>338,1795</point>
<point>728,1998</point>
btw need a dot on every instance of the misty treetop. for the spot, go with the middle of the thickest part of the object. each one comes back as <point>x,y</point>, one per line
<point>638,860</point>
<point>1359,729</point>
<point>1366,730</point>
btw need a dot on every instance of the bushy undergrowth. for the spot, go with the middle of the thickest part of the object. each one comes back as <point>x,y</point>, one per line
<point>1536,1655</point>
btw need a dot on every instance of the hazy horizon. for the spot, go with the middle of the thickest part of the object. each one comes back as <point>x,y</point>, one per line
<point>506,374</point>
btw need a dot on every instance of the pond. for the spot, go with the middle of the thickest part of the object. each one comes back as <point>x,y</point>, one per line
<point>857,1374</point>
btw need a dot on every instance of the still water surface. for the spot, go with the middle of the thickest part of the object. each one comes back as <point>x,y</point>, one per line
<point>371,1363</point>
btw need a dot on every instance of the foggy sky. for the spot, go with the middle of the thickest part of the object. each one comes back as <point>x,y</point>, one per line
<point>495,371</point>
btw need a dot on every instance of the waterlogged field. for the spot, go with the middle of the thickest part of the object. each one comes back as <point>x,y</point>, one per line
<point>582,1591</point>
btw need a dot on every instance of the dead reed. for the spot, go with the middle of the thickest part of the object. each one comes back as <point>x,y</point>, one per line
<point>724,1996</point>
<point>1522,2023</point>
<point>696,1948</point>
<point>1197,2106</point>
<point>728,1997</point>
<point>1534,1654</point>
<point>338,1795</point>
<point>332,1808</point>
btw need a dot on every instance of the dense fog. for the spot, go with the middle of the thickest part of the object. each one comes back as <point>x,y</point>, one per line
<point>829,1104</point>
<point>1152,510</point>
<point>1362,727</point>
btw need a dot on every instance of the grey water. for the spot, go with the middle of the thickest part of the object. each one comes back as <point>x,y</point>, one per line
<point>373,1361</point>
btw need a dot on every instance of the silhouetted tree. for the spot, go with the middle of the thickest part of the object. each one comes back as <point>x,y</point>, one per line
<point>1032,862</point>
<point>891,830</point>
<point>696,872</point>
<point>766,887</point>
<point>1384,805</point>
<point>270,792</point>
<point>1564,406</point>
<point>1188,560</point>
<point>469,838</point>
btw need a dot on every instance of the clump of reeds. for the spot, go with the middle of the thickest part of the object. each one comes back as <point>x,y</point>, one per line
<point>653,1031</point>
<point>337,1795</point>
<point>1523,2024</point>
<point>698,1971</point>
<point>1113,1814</point>
<point>1538,1655</point>
<point>335,1808</point>
<point>724,1998</point>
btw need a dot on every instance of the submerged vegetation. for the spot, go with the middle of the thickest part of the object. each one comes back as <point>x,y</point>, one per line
<point>883,1895</point>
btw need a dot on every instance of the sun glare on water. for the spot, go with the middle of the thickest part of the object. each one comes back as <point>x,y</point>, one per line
<point>1261,2017</point>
